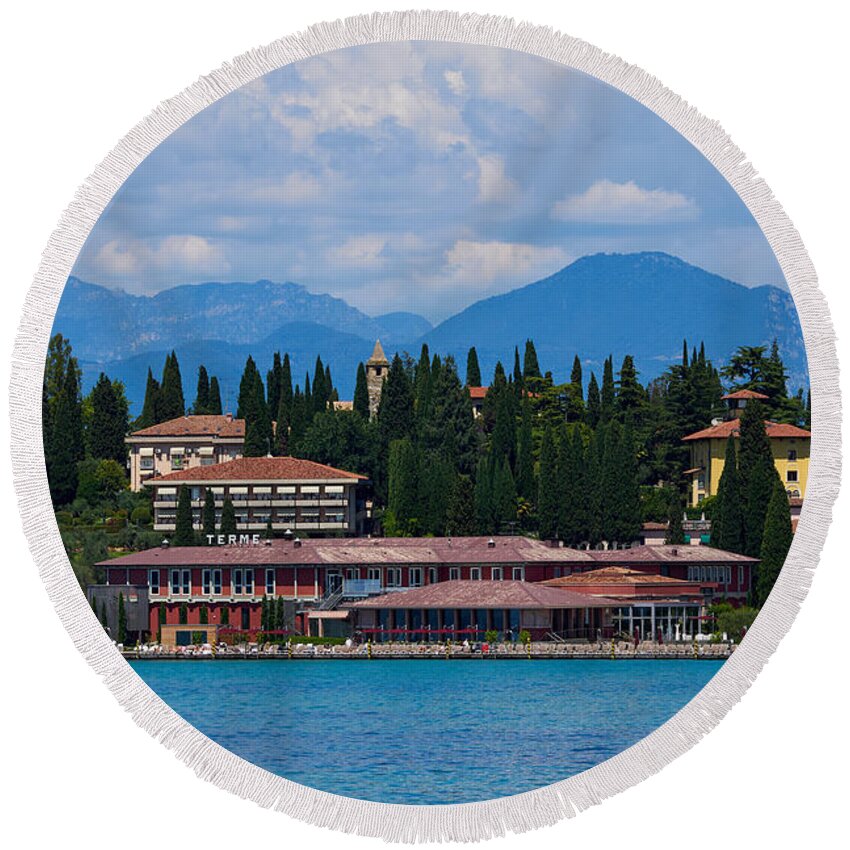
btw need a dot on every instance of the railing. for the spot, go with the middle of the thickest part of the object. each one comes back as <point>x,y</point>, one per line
<point>361,587</point>
<point>330,600</point>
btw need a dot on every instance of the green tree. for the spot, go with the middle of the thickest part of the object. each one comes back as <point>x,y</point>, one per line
<point>630,394</point>
<point>461,513</point>
<point>208,514</point>
<point>776,541</point>
<point>757,473</point>
<point>485,519</point>
<point>525,483</point>
<point>594,403</point>
<point>607,396</point>
<point>361,393</point>
<point>202,394</point>
<point>122,619</point>
<point>344,440</point>
<point>547,493</point>
<point>273,380</point>
<point>171,403</point>
<point>575,393</point>
<point>403,486</point>
<point>228,517</point>
<point>183,614</point>
<point>473,370</point>
<point>504,495</point>
<point>108,424</point>
<point>204,615</point>
<point>675,534</point>
<point>65,446</point>
<point>184,531</point>
<point>530,364</point>
<point>570,478</point>
<point>282,428</point>
<point>252,408</point>
<point>214,406</point>
<point>727,525</point>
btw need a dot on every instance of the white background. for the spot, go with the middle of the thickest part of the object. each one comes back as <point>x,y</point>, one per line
<point>77,77</point>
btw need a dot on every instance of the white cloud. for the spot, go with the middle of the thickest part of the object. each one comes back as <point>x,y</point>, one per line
<point>359,252</point>
<point>456,82</point>
<point>184,254</point>
<point>492,266</point>
<point>606,202</point>
<point>493,185</point>
<point>296,188</point>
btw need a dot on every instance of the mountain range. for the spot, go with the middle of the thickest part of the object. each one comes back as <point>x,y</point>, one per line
<point>641,304</point>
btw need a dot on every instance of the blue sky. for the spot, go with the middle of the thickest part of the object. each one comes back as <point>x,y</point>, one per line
<point>418,176</point>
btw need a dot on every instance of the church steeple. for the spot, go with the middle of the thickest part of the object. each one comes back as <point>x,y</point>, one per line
<point>376,372</point>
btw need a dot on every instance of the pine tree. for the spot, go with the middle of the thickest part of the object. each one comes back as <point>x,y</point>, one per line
<point>273,381</point>
<point>575,393</point>
<point>570,458</point>
<point>630,394</point>
<point>108,424</point>
<point>757,473</point>
<point>594,403</point>
<point>214,405</point>
<point>607,395</point>
<point>321,392</point>
<point>228,517</point>
<point>473,370</point>
<point>184,531</point>
<point>504,496</point>
<point>484,510</point>
<point>361,393</point>
<point>172,404</point>
<point>503,440</point>
<point>727,525</point>
<point>422,382</point>
<point>150,408</point>
<point>675,534</point>
<point>202,395</point>
<point>547,493</point>
<point>122,619</point>
<point>208,515</point>
<point>530,365</point>
<point>403,487</point>
<point>519,384</point>
<point>66,442</point>
<point>776,541</point>
<point>253,409</point>
<point>461,512</point>
<point>395,410</point>
<point>525,483</point>
<point>281,433</point>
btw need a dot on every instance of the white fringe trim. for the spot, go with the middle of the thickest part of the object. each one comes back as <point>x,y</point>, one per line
<point>469,821</point>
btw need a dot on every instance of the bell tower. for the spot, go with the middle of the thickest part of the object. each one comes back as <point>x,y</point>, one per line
<point>376,372</point>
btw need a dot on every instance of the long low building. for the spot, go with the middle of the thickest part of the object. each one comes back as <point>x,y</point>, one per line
<point>230,581</point>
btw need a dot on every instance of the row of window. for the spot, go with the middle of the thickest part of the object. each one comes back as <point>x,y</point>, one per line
<point>263,516</point>
<point>715,574</point>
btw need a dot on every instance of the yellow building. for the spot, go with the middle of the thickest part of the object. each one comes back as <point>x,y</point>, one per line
<point>790,446</point>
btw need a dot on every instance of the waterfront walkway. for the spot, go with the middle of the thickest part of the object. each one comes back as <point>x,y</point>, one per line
<point>618,650</point>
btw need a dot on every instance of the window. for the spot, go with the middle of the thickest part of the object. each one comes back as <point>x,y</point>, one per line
<point>211,582</point>
<point>393,576</point>
<point>519,574</point>
<point>237,582</point>
<point>206,582</point>
<point>270,582</point>
<point>792,454</point>
<point>741,573</point>
<point>249,582</point>
<point>496,573</point>
<point>153,582</point>
<point>373,573</point>
<point>352,573</point>
<point>475,573</point>
<point>433,575</point>
<point>334,516</point>
<point>181,582</point>
<point>177,460</point>
<point>146,463</point>
<point>415,576</point>
<point>207,461</point>
<point>791,475</point>
<point>309,516</point>
<point>454,573</point>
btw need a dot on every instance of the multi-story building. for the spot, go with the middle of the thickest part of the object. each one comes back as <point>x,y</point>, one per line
<point>181,444</point>
<point>316,577</point>
<point>789,444</point>
<point>293,494</point>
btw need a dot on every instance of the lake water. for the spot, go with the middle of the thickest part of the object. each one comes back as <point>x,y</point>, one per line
<point>426,732</point>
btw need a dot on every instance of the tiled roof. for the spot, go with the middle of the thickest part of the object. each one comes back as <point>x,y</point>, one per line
<point>733,426</point>
<point>477,392</point>
<point>378,357</point>
<point>654,526</point>
<point>484,594</point>
<point>614,575</point>
<point>744,394</point>
<point>196,426</point>
<point>667,554</point>
<point>257,469</point>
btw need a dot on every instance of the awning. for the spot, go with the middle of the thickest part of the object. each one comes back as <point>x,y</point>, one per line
<point>328,615</point>
<point>262,489</point>
<point>206,451</point>
<point>166,491</point>
<point>239,490</point>
<point>178,451</point>
<point>146,451</point>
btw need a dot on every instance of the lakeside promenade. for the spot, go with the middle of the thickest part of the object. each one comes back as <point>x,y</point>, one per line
<point>612,650</point>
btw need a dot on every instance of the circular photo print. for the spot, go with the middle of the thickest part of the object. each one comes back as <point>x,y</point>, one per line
<point>426,422</point>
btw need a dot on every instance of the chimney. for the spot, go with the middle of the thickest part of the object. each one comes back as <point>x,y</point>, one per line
<point>165,544</point>
<point>228,416</point>
<point>297,542</point>
<point>674,551</point>
<point>491,543</point>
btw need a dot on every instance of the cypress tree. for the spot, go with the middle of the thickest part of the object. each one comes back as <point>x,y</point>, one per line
<point>484,510</point>
<point>674,534</point>
<point>104,620</point>
<point>208,515</point>
<point>575,393</point>
<point>607,395</point>
<point>525,456</point>
<point>285,385</point>
<point>461,512</point>
<point>361,393</point>
<point>253,409</point>
<point>321,392</point>
<point>403,487</point>
<point>228,517</point>
<point>150,407</point>
<point>727,526</point>
<point>776,541</point>
<point>202,394</point>
<point>108,424</point>
<point>298,420</point>
<point>183,614</point>
<point>122,619</point>
<point>268,533</point>
<point>530,365</point>
<point>594,403</point>
<point>519,384</point>
<point>503,441</point>
<point>273,380</point>
<point>757,474</point>
<point>630,520</point>
<point>593,489</point>
<point>281,433</point>
<point>204,615</point>
<point>424,377</point>
<point>279,614</point>
<point>630,394</point>
<point>504,495</point>
<point>547,493</point>
<point>308,399</point>
<point>395,410</point>
<point>66,441</point>
<point>184,532</point>
<point>473,370</point>
<point>569,495</point>
<point>610,482</point>
<point>214,405</point>
<point>172,404</point>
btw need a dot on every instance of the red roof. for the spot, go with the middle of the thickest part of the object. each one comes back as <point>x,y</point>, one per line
<point>683,553</point>
<point>257,469</point>
<point>745,394</point>
<point>484,594</point>
<point>477,392</point>
<point>196,426</point>
<point>616,575</point>
<point>733,426</point>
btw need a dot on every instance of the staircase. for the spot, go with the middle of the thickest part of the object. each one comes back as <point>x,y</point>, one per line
<point>330,600</point>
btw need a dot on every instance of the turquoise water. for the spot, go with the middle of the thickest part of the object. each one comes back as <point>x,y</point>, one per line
<point>426,732</point>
